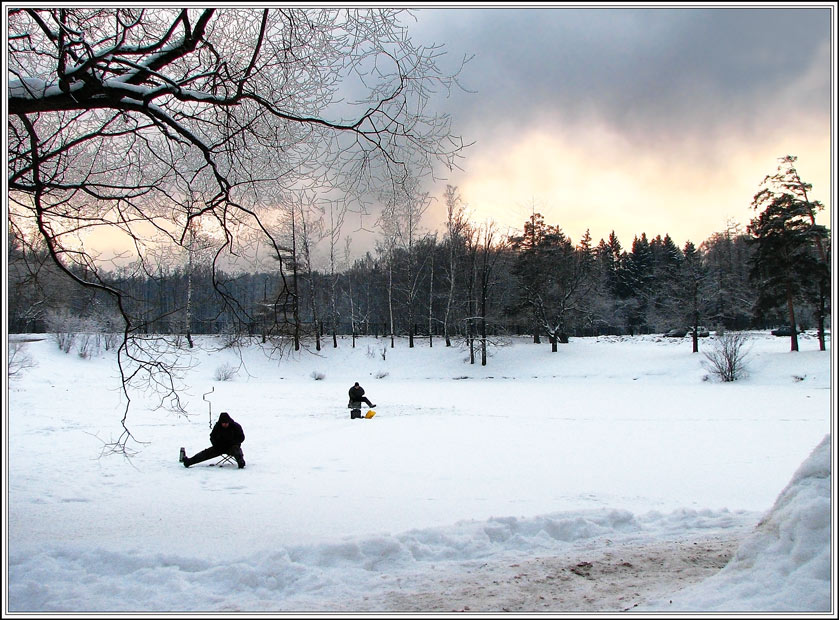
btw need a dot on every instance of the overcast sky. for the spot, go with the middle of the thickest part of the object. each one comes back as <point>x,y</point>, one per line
<point>655,120</point>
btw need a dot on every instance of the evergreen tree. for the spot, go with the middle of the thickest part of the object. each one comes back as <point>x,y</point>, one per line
<point>639,279</point>
<point>665,283</point>
<point>694,298</point>
<point>785,265</point>
<point>615,260</point>
<point>534,249</point>
<point>727,256</point>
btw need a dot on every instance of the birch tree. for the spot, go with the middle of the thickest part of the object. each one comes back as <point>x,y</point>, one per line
<point>337,212</point>
<point>456,224</point>
<point>489,254</point>
<point>310,228</point>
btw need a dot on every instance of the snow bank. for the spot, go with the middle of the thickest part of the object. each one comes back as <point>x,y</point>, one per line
<point>784,565</point>
<point>321,576</point>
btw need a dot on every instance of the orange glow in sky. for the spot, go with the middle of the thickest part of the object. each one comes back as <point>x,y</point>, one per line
<point>598,180</point>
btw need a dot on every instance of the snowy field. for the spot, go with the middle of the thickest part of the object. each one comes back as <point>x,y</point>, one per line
<point>615,474</point>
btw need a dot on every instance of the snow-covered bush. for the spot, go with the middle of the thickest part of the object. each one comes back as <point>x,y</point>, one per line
<point>88,344</point>
<point>225,372</point>
<point>87,333</point>
<point>727,358</point>
<point>18,359</point>
<point>111,340</point>
<point>63,325</point>
<point>318,376</point>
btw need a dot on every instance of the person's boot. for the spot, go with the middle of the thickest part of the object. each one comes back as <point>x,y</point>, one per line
<point>185,461</point>
<point>239,456</point>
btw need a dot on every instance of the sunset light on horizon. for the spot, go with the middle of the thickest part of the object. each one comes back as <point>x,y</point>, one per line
<point>631,119</point>
<point>603,187</point>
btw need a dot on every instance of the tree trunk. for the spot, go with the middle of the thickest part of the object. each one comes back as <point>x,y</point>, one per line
<point>820,314</point>
<point>390,300</point>
<point>793,338</point>
<point>449,300</point>
<point>431,305</point>
<point>352,308</point>
<point>483,327</point>
<point>189,289</point>
<point>695,302</point>
<point>295,308</point>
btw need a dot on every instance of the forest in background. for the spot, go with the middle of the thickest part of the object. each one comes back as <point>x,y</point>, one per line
<point>470,283</point>
<point>199,135</point>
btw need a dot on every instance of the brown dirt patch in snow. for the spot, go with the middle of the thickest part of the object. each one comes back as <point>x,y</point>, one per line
<point>614,577</point>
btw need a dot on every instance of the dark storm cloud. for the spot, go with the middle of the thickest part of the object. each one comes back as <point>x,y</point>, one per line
<point>641,69</point>
<point>655,119</point>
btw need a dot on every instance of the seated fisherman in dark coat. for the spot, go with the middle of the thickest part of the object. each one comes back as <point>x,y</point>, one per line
<point>357,395</point>
<point>227,437</point>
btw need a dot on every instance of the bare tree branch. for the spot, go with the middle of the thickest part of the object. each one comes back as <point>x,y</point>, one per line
<point>119,117</point>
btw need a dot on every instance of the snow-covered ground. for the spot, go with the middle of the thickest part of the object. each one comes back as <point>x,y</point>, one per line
<point>613,475</point>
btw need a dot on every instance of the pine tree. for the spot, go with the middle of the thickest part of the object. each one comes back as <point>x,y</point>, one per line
<point>785,264</point>
<point>694,278</point>
<point>728,256</point>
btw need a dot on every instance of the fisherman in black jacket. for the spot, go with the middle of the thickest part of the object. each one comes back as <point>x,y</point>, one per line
<point>227,437</point>
<point>357,395</point>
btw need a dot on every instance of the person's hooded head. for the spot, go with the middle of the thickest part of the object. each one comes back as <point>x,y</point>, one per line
<point>224,418</point>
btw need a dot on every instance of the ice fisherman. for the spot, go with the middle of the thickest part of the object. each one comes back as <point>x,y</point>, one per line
<point>227,437</point>
<point>357,395</point>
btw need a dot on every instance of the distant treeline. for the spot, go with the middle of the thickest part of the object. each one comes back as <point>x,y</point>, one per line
<point>470,284</point>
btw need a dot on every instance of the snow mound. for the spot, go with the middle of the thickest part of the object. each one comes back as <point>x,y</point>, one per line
<point>784,564</point>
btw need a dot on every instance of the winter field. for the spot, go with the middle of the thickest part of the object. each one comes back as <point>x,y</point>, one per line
<point>616,474</point>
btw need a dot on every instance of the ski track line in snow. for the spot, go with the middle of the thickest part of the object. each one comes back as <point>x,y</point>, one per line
<point>592,578</point>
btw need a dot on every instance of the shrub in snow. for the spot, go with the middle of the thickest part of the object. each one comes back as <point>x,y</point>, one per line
<point>65,340</point>
<point>18,360</point>
<point>88,333</point>
<point>381,374</point>
<point>225,372</point>
<point>727,358</point>
<point>87,344</point>
<point>111,340</point>
<point>63,327</point>
<point>318,376</point>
